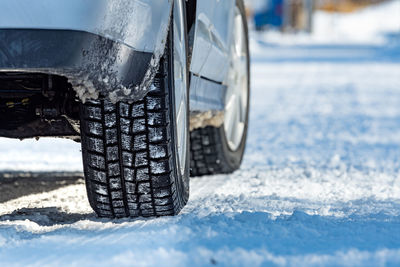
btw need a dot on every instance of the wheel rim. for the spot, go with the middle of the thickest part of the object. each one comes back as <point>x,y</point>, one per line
<point>236,99</point>
<point>180,84</point>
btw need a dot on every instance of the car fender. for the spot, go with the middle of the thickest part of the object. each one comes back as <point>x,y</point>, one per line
<point>109,42</point>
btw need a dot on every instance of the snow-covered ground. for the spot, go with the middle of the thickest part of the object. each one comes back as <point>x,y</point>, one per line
<point>320,182</point>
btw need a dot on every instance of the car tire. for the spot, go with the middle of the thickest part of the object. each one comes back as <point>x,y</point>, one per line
<point>131,150</point>
<point>211,150</point>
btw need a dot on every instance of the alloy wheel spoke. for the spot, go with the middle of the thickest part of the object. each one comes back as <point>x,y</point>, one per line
<point>237,93</point>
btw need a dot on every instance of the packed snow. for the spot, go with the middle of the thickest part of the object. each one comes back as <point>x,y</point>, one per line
<point>319,185</point>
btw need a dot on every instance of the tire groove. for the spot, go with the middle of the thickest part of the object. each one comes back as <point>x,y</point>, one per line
<point>148,157</point>
<point>121,167</point>
<point>105,157</point>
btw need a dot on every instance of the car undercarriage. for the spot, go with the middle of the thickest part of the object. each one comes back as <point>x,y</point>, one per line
<point>37,105</point>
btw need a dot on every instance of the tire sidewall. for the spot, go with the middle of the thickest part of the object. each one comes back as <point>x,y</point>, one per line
<point>182,180</point>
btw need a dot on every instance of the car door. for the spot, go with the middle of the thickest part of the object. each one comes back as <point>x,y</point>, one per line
<point>212,38</point>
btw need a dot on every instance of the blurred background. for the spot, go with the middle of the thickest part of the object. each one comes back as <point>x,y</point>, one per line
<point>299,15</point>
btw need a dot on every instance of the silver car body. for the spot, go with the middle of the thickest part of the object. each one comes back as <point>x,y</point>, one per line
<point>209,68</point>
<point>139,25</point>
<point>212,39</point>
